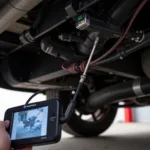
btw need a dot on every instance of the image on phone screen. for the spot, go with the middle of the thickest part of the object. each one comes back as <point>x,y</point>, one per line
<point>30,123</point>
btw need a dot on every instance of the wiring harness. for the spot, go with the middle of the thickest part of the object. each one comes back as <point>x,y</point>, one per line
<point>78,67</point>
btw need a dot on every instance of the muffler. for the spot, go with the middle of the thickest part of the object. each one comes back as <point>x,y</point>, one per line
<point>119,92</point>
<point>14,10</point>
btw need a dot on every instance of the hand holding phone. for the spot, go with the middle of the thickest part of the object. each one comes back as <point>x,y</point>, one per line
<point>4,136</point>
<point>34,124</point>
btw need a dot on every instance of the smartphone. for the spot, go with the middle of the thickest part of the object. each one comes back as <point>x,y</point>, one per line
<point>34,124</point>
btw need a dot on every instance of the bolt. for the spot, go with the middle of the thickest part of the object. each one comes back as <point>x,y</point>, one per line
<point>121,57</point>
<point>60,37</point>
<point>137,31</point>
<point>141,31</point>
<point>138,38</point>
<point>73,92</point>
<point>132,39</point>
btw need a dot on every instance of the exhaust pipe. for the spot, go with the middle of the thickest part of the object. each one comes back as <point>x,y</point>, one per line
<point>14,10</point>
<point>119,92</point>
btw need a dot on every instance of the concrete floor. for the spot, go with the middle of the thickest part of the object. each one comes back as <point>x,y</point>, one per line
<point>118,137</point>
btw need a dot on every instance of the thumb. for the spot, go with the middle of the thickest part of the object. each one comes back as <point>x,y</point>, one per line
<point>2,124</point>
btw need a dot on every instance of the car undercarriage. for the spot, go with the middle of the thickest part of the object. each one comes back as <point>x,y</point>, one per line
<point>46,44</point>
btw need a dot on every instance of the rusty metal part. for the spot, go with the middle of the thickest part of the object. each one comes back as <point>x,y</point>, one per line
<point>14,10</point>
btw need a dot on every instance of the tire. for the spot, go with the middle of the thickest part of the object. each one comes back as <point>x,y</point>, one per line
<point>78,127</point>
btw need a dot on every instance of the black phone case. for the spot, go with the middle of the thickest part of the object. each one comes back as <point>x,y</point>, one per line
<point>53,127</point>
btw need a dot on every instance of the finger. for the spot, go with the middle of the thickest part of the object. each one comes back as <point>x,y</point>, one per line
<point>2,124</point>
<point>7,123</point>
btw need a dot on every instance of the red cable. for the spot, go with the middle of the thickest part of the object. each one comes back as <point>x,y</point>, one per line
<point>82,66</point>
<point>62,66</point>
<point>71,68</point>
<point>122,37</point>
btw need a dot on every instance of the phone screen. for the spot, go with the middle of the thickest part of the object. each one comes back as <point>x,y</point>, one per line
<point>30,123</point>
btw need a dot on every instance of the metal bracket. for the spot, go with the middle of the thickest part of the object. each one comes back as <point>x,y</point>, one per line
<point>137,88</point>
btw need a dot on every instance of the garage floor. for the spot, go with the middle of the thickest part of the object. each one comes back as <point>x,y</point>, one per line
<point>118,137</point>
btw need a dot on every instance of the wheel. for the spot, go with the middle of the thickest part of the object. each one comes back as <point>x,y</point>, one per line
<point>90,124</point>
<point>83,122</point>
